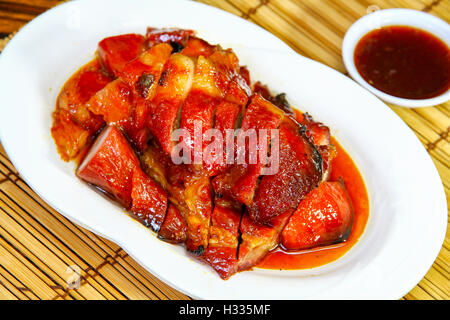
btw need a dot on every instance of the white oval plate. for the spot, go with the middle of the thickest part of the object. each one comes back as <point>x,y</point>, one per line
<point>408,209</point>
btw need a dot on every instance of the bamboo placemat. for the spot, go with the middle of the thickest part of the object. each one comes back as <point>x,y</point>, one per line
<point>40,249</point>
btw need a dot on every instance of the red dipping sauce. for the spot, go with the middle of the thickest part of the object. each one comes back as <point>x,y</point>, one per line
<point>405,62</point>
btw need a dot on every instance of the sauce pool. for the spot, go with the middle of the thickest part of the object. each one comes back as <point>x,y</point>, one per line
<point>405,62</point>
<point>342,167</point>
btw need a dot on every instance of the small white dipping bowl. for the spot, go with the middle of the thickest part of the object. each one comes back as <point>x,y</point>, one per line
<point>393,17</point>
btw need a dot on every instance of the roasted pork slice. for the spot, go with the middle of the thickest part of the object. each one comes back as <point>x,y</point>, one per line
<point>164,109</point>
<point>221,253</point>
<point>176,37</point>
<point>78,90</point>
<point>173,229</point>
<point>240,180</point>
<point>258,240</point>
<point>230,80</point>
<point>114,102</point>
<point>73,123</point>
<point>159,165</point>
<point>70,139</point>
<point>220,154</point>
<point>143,73</point>
<point>190,191</point>
<point>299,172</point>
<point>324,217</point>
<point>148,200</point>
<point>109,165</point>
<point>199,204</point>
<point>197,116</point>
<point>196,47</point>
<point>115,52</point>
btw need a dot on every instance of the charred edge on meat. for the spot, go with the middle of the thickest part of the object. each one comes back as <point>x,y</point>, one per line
<point>144,83</point>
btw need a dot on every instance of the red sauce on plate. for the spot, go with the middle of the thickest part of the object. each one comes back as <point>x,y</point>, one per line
<point>342,167</point>
<point>404,62</point>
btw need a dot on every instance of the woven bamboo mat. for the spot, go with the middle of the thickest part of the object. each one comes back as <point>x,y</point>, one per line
<point>39,248</point>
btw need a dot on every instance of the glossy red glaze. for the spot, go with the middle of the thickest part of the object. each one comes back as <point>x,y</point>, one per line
<point>173,229</point>
<point>148,200</point>
<point>324,217</point>
<point>110,164</point>
<point>221,253</point>
<point>114,102</point>
<point>300,171</point>
<point>115,52</point>
<point>155,36</point>
<point>240,181</point>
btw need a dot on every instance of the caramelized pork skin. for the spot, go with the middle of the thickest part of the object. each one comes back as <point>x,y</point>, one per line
<point>228,215</point>
<point>172,89</point>
<point>240,180</point>
<point>324,217</point>
<point>148,199</point>
<point>173,229</point>
<point>109,165</point>
<point>115,52</point>
<point>73,123</point>
<point>300,171</point>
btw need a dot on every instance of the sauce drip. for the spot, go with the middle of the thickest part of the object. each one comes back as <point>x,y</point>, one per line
<point>342,167</point>
<point>404,62</point>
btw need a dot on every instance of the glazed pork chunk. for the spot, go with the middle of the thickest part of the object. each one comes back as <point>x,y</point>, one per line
<point>239,182</point>
<point>300,171</point>
<point>112,165</point>
<point>74,124</point>
<point>222,251</point>
<point>173,88</point>
<point>324,217</point>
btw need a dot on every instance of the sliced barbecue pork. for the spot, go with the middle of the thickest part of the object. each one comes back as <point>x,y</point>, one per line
<point>300,171</point>
<point>240,180</point>
<point>164,109</point>
<point>73,123</point>
<point>324,217</point>
<point>109,165</point>
<point>115,52</point>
